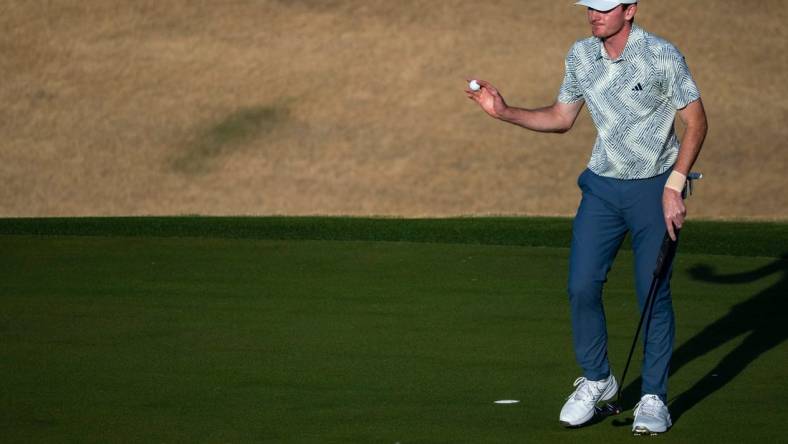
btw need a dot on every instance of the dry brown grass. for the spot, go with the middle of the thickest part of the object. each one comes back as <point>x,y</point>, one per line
<point>350,107</point>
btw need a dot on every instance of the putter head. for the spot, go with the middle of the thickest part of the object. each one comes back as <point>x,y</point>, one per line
<point>607,409</point>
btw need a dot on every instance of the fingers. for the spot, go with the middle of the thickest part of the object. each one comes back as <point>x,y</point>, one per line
<point>673,223</point>
<point>484,85</point>
<point>671,231</point>
<point>674,211</point>
<point>473,95</point>
<point>486,97</point>
<point>477,96</point>
<point>488,85</point>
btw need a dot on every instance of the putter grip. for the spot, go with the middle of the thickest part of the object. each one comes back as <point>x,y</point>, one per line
<point>666,253</point>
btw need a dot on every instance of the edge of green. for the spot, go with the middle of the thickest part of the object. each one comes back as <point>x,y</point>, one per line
<point>767,239</point>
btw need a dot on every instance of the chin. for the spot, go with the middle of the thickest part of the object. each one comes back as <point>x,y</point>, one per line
<point>598,32</point>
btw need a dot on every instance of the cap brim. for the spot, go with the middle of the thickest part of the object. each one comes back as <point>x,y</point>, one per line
<point>599,5</point>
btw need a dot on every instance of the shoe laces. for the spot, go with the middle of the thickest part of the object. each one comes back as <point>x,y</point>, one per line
<point>649,405</point>
<point>586,391</point>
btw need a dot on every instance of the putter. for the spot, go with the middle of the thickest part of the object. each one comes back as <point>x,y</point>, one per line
<point>666,253</point>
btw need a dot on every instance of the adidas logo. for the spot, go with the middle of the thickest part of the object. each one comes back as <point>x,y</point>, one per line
<point>637,87</point>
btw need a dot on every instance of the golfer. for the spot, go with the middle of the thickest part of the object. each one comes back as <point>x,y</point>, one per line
<point>634,83</point>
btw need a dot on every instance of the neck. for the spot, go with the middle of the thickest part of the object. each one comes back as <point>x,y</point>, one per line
<point>614,45</point>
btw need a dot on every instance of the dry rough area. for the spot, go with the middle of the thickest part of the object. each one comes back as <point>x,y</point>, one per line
<point>143,107</point>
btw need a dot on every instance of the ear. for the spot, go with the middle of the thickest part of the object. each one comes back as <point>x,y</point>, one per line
<point>629,14</point>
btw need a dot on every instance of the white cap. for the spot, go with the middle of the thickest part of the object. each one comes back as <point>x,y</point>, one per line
<point>604,5</point>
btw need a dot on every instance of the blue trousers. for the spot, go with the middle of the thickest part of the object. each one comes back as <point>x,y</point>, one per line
<point>608,210</point>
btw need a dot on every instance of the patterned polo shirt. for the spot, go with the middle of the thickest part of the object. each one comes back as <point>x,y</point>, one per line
<point>632,100</point>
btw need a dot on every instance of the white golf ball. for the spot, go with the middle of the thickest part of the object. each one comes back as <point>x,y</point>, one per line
<point>474,85</point>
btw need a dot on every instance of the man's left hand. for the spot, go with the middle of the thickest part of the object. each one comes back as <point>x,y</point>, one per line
<point>674,210</point>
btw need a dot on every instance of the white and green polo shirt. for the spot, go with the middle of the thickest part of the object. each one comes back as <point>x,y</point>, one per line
<point>632,100</point>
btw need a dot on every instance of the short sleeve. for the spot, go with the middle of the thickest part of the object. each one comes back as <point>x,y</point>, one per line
<point>680,87</point>
<point>570,91</point>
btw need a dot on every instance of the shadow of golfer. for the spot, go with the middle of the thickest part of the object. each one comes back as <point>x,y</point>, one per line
<point>761,317</point>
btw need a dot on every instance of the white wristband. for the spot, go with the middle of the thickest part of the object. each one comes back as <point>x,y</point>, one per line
<point>676,181</point>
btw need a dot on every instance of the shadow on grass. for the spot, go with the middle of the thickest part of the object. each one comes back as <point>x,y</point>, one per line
<point>761,317</point>
<point>227,135</point>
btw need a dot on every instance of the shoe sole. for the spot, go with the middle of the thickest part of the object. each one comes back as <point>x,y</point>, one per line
<point>642,431</point>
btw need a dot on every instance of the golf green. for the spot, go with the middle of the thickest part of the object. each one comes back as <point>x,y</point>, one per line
<point>200,339</point>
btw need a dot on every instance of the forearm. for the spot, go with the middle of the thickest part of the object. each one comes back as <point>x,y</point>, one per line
<point>672,204</point>
<point>691,145</point>
<point>692,142</point>
<point>557,118</point>
<point>688,154</point>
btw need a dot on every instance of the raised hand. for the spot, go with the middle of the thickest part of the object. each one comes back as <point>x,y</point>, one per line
<point>488,98</point>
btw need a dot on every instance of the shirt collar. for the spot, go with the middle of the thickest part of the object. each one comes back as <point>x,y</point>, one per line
<point>635,41</point>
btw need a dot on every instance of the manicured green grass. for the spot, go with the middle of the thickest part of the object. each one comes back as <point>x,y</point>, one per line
<point>244,339</point>
<point>768,239</point>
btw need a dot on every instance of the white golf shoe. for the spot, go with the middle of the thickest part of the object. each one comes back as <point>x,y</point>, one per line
<point>579,406</point>
<point>651,416</point>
